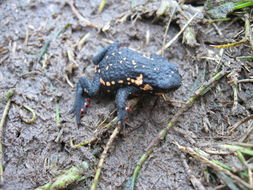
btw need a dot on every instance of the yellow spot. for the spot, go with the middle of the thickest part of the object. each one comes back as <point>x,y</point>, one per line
<point>124,58</point>
<point>98,70</point>
<point>139,80</point>
<point>143,66</point>
<point>110,64</point>
<point>147,87</point>
<point>107,68</point>
<point>120,81</point>
<point>113,53</point>
<point>119,52</point>
<point>133,62</point>
<point>120,61</point>
<point>108,84</point>
<point>128,79</point>
<point>102,81</point>
<point>113,82</point>
<point>106,57</point>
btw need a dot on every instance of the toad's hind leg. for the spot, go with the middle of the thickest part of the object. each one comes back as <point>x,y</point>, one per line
<point>85,89</point>
<point>121,97</point>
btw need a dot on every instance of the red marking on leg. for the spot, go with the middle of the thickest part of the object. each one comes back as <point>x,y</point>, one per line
<point>135,94</point>
<point>129,109</point>
<point>87,105</point>
<point>82,111</point>
<point>87,99</point>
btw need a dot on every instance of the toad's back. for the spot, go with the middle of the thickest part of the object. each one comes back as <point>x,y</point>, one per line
<point>125,67</point>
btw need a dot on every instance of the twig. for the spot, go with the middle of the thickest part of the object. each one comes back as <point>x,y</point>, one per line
<point>26,37</point>
<point>58,122</point>
<point>178,34</point>
<point>103,156</point>
<point>245,80</point>
<point>162,134</point>
<point>72,65</point>
<point>83,40</point>
<point>211,164</point>
<point>217,29</point>
<point>79,16</point>
<point>250,176</point>
<point>248,30</point>
<point>195,182</point>
<point>172,101</point>
<point>57,115</point>
<point>233,80</point>
<point>248,133</point>
<point>236,125</point>
<point>2,123</point>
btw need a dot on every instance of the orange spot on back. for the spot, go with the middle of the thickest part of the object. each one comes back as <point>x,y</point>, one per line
<point>146,87</point>
<point>108,84</point>
<point>139,80</point>
<point>102,81</point>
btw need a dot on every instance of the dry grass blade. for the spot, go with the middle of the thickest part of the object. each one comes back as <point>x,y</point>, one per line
<point>101,6</point>
<point>195,182</point>
<point>233,44</point>
<point>236,125</point>
<point>2,123</point>
<point>103,157</point>
<point>209,163</point>
<point>178,34</point>
<point>79,16</point>
<point>3,50</point>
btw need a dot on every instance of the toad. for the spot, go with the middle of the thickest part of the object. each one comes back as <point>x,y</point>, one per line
<point>124,72</point>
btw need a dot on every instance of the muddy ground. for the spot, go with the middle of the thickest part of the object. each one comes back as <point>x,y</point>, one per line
<point>35,153</point>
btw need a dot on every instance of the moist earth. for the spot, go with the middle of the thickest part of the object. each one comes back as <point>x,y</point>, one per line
<point>35,153</point>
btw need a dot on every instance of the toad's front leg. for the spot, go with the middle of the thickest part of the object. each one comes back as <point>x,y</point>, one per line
<point>85,89</point>
<point>121,97</point>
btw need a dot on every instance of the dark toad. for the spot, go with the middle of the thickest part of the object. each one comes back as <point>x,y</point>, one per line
<point>124,72</point>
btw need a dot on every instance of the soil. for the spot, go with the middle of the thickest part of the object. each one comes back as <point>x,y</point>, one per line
<point>35,153</point>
